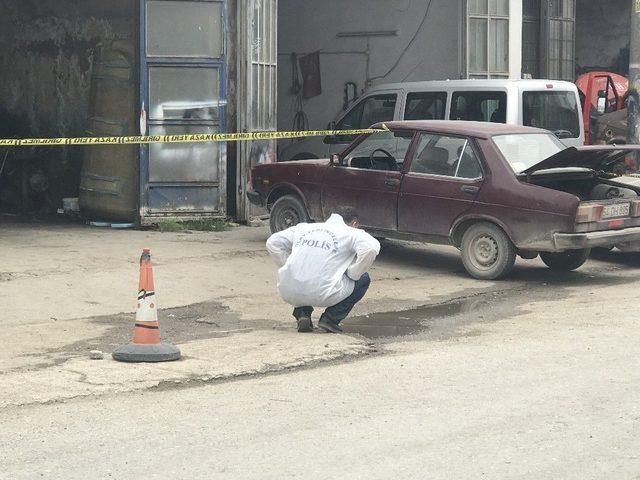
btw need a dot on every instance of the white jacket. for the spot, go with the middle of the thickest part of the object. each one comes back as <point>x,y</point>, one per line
<point>320,261</point>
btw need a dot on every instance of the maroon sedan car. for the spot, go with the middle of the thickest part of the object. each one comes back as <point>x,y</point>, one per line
<point>494,191</point>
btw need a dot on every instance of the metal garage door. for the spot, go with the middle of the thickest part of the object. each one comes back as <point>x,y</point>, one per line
<point>257,89</point>
<point>182,90</point>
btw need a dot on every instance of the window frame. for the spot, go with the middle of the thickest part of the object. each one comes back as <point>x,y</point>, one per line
<point>477,91</point>
<point>578,125</point>
<point>437,93</point>
<point>360,104</point>
<point>353,145</point>
<point>487,18</point>
<point>469,141</point>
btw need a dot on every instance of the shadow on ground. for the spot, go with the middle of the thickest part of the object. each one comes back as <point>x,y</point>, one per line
<point>453,318</point>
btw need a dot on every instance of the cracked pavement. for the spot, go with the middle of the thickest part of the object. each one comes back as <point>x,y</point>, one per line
<point>438,374</point>
<point>68,289</point>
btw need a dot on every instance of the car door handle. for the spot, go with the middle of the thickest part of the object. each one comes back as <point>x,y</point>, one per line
<point>392,182</point>
<point>470,189</point>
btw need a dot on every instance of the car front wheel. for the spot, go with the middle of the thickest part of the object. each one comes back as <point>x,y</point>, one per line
<point>287,212</point>
<point>487,252</point>
<point>565,261</point>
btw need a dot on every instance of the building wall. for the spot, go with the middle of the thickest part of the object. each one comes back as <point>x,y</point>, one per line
<point>602,35</point>
<point>515,39</point>
<point>307,26</point>
<point>48,50</point>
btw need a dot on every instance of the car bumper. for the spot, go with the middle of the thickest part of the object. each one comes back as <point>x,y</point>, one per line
<point>254,197</point>
<point>606,238</point>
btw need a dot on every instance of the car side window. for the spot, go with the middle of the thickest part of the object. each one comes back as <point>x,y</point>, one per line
<point>479,106</point>
<point>379,151</point>
<point>425,106</point>
<point>468,164</point>
<point>446,156</point>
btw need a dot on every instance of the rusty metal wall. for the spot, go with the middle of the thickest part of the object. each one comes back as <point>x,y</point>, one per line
<point>46,60</point>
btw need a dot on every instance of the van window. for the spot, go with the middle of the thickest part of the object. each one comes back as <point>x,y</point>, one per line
<point>371,110</point>
<point>479,106</point>
<point>425,106</point>
<point>555,111</point>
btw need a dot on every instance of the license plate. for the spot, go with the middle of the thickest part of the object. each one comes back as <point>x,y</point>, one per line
<point>616,210</point>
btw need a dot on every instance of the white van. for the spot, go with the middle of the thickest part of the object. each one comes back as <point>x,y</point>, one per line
<point>550,104</point>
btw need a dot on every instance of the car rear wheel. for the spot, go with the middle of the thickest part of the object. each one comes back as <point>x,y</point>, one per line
<point>487,252</point>
<point>287,212</point>
<point>565,261</point>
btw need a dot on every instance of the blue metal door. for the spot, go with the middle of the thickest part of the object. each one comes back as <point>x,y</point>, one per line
<point>182,91</point>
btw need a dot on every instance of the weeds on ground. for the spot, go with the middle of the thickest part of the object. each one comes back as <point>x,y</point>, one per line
<point>205,225</point>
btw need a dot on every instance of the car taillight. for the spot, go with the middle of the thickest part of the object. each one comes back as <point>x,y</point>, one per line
<point>589,213</point>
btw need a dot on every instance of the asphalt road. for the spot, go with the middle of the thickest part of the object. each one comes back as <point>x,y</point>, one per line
<point>537,377</point>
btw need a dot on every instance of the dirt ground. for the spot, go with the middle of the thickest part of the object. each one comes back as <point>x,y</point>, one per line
<point>67,289</point>
<point>531,377</point>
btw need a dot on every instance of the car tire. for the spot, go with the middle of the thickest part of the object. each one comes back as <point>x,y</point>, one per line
<point>565,261</point>
<point>487,252</point>
<point>287,212</point>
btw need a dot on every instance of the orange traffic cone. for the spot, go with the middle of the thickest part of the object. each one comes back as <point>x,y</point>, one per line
<point>146,346</point>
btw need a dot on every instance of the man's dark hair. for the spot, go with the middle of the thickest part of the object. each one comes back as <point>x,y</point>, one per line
<point>348,214</point>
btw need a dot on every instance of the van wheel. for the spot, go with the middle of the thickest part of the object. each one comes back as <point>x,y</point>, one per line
<point>287,212</point>
<point>565,261</point>
<point>487,252</point>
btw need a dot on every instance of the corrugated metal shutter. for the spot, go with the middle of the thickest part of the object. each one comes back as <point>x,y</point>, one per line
<point>257,90</point>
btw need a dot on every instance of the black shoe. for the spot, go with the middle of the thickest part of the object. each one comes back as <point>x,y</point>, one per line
<point>329,326</point>
<point>304,324</point>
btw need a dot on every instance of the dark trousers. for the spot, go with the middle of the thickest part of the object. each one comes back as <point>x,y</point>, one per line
<point>339,311</point>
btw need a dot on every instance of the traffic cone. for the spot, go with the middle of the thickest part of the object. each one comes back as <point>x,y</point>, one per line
<point>146,346</point>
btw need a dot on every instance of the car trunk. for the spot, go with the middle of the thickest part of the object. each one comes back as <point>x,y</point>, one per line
<point>607,202</point>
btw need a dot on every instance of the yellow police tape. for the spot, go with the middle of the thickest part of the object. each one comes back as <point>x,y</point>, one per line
<point>192,138</point>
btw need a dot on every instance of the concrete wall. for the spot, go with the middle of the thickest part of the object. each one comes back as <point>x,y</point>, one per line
<point>46,60</point>
<point>307,26</point>
<point>515,39</point>
<point>602,35</point>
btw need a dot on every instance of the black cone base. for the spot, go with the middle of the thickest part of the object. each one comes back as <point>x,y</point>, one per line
<point>163,352</point>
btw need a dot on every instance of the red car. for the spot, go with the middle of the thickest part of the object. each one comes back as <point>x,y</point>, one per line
<point>494,191</point>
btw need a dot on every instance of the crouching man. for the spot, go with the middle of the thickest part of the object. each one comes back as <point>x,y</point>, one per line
<point>324,265</point>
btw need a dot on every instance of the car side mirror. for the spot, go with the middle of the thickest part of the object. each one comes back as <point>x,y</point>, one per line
<point>602,101</point>
<point>334,159</point>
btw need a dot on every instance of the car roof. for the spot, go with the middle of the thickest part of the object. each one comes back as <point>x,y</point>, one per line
<point>474,83</point>
<point>460,127</point>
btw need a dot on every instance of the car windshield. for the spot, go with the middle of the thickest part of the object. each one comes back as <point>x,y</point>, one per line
<point>555,111</point>
<point>523,151</point>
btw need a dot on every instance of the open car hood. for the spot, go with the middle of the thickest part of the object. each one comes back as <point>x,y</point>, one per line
<point>599,158</point>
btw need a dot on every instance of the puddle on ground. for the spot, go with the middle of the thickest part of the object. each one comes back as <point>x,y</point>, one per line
<point>439,321</point>
<point>408,322</point>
